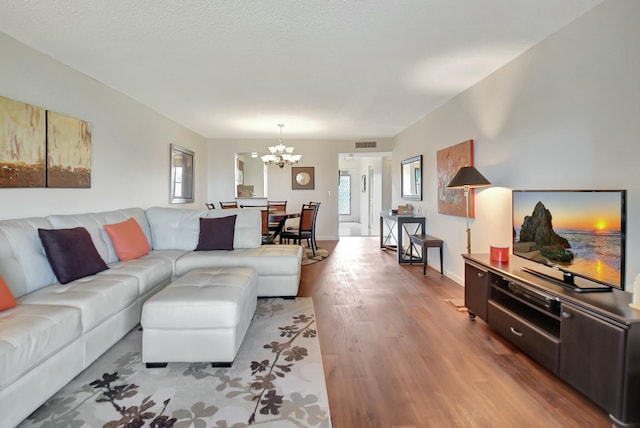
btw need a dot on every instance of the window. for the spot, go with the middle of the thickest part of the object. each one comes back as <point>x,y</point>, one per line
<point>344,194</point>
<point>181,171</point>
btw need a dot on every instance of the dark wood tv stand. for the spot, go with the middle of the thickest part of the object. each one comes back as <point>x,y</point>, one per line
<point>590,340</point>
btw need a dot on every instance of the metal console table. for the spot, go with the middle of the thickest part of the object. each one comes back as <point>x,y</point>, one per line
<point>392,229</point>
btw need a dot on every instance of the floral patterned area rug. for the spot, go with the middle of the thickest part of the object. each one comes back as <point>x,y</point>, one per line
<point>277,380</point>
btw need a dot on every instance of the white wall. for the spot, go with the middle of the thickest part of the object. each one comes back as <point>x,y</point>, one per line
<point>130,142</point>
<point>564,115</point>
<point>323,155</point>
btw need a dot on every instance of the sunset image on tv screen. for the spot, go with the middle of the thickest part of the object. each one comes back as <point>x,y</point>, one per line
<point>581,232</point>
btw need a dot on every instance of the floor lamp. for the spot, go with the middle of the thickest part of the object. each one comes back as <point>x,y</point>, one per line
<point>468,178</point>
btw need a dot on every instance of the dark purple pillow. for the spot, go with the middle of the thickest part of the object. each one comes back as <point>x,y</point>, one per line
<point>71,253</point>
<point>216,233</point>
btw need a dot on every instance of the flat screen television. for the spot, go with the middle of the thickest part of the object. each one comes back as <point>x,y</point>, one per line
<point>578,233</point>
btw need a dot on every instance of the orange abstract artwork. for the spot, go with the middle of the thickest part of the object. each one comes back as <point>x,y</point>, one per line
<point>449,161</point>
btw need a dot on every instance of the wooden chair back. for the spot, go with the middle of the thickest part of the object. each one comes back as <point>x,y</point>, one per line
<point>268,234</point>
<point>277,205</point>
<point>307,218</point>
<point>226,205</point>
<point>265,222</point>
<point>315,214</point>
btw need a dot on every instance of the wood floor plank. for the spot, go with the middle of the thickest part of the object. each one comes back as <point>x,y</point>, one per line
<point>396,354</point>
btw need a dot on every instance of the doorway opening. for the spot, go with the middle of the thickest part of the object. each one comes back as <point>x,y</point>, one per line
<point>364,186</point>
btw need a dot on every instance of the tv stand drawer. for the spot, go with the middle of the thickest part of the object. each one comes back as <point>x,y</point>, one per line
<point>541,346</point>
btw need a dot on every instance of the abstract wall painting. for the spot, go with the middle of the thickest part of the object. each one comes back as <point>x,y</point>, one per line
<point>40,148</point>
<point>449,161</point>
<point>68,151</point>
<point>22,144</point>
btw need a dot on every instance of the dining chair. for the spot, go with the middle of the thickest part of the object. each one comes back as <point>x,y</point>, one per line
<point>254,206</point>
<point>226,205</point>
<point>268,235</point>
<point>277,205</point>
<point>305,230</point>
<point>210,206</point>
<point>293,225</point>
<point>315,218</point>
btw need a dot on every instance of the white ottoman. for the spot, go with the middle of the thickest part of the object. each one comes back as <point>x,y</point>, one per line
<point>202,316</point>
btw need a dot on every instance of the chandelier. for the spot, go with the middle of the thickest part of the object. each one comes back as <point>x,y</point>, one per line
<point>281,155</point>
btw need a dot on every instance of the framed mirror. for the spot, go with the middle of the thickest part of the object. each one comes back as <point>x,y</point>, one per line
<point>411,178</point>
<point>181,171</point>
<point>250,176</point>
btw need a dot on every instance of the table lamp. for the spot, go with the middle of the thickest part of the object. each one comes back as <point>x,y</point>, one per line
<point>468,178</point>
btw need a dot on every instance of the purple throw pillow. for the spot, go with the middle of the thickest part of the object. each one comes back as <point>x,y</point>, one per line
<point>216,233</point>
<point>71,253</point>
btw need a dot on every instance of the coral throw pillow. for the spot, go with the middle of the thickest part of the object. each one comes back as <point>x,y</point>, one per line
<point>7,301</point>
<point>71,253</point>
<point>128,239</point>
<point>216,233</point>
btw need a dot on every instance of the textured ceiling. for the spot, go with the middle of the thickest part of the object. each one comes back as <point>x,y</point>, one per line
<point>353,69</point>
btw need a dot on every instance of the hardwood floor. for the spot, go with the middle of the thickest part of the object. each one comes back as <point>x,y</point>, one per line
<point>396,354</point>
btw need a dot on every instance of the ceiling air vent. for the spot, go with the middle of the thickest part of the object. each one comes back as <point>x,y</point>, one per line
<point>366,144</point>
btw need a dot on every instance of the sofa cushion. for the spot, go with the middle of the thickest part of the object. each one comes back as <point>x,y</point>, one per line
<point>150,271</point>
<point>71,253</point>
<point>169,255</point>
<point>216,233</point>
<point>179,229</point>
<point>98,297</point>
<point>23,263</point>
<point>30,334</point>
<point>128,239</point>
<point>7,301</point>
<point>266,260</point>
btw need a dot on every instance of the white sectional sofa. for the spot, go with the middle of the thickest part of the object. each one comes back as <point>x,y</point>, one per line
<point>57,330</point>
